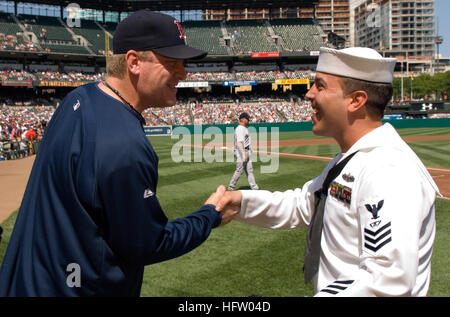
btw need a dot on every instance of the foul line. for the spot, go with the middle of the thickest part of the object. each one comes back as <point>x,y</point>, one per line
<point>319,158</point>
<point>325,158</point>
<point>301,156</point>
<point>439,169</point>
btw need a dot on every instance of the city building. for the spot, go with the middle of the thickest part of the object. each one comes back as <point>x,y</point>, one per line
<point>403,29</point>
<point>334,16</point>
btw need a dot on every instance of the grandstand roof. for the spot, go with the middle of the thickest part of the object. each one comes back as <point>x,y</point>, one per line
<point>169,5</point>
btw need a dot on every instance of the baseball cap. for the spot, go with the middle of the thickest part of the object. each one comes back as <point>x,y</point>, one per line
<point>357,62</point>
<point>244,115</point>
<point>147,30</point>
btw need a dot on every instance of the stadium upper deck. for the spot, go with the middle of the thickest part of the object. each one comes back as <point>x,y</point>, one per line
<point>168,5</point>
<point>49,35</point>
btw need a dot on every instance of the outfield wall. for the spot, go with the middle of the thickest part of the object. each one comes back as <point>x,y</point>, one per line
<point>307,125</point>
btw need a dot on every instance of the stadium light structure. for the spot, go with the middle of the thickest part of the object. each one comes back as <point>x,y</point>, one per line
<point>438,41</point>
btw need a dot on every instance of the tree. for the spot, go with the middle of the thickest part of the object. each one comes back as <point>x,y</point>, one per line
<point>437,85</point>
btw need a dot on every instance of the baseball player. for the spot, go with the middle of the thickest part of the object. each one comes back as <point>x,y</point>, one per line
<point>90,219</point>
<point>371,213</point>
<point>242,152</point>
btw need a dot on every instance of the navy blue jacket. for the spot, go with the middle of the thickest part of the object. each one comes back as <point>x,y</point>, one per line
<point>90,207</point>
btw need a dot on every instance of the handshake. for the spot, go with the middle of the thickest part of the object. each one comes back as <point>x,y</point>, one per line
<point>228,203</point>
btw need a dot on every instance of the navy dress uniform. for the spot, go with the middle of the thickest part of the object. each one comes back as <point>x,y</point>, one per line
<point>378,224</point>
<point>379,221</point>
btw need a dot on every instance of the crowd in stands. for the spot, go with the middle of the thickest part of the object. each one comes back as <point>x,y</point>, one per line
<point>175,115</point>
<point>269,75</point>
<point>17,117</point>
<point>53,76</point>
<point>22,122</point>
<point>69,77</point>
<point>229,113</point>
<point>12,74</point>
<point>21,129</point>
<point>77,76</point>
<point>9,42</point>
<point>208,76</point>
<point>73,77</point>
<point>20,126</point>
<point>300,73</point>
<point>190,76</point>
<point>296,112</point>
<point>222,111</point>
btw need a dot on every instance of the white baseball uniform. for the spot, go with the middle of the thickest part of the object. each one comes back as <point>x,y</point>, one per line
<point>242,136</point>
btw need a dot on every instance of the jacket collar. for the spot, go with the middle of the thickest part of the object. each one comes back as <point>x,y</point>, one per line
<point>387,136</point>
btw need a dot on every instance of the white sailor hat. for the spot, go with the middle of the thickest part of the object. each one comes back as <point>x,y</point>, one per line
<point>357,62</point>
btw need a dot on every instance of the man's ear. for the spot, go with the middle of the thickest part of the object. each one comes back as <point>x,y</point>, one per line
<point>132,60</point>
<point>358,100</point>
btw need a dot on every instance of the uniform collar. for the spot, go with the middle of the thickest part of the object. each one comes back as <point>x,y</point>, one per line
<point>384,135</point>
<point>387,136</point>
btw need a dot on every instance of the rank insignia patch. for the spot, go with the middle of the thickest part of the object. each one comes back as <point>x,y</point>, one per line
<point>341,192</point>
<point>374,209</point>
<point>375,240</point>
<point>377,231</point>
<point>348,178</point>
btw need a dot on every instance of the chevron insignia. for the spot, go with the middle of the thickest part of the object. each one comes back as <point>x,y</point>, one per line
<point>337,286</point>
<point>375,240</point>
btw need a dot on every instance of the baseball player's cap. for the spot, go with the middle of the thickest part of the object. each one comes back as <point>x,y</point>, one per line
<point>357,62</point>
<point>147,30</point>
<point>244,115</point>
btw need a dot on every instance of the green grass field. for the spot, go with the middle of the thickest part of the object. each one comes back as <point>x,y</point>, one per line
<point>242,260</point>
